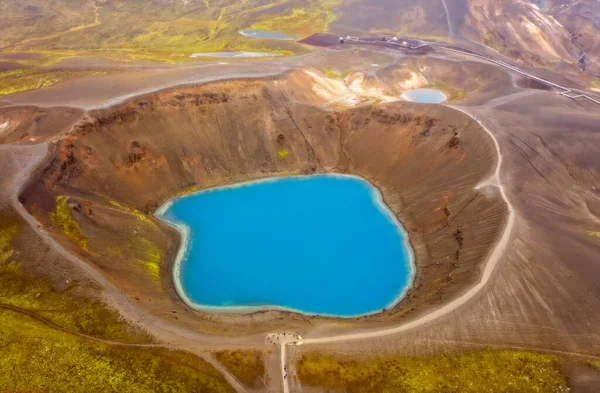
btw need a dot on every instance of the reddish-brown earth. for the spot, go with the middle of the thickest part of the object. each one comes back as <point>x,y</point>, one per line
<point>32,124</point>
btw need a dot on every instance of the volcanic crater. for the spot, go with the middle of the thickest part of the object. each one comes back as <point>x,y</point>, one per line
<point>101,183</point>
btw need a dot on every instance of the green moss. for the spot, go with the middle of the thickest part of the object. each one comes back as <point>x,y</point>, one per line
<point>335,75</point>
<point>126,31</point>
<point>313,17</point>
<point>42,359</point>
<point>247,366</point>
<point>478,372</point>
<point>135,212</point>
<point>283,153</point>
<point>61,217</point>
<point>9,227</point>
<point>38,294</point>
<point>453,92</point>
<point>152,256</point>
<point>24,79</point>
<point>594,363</point>
<point>189,190</point>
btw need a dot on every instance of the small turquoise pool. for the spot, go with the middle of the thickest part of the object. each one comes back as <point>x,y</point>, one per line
<point>322,244</point>
<point>268,34</point>
<point>425,96</point>
<point>243,54</point>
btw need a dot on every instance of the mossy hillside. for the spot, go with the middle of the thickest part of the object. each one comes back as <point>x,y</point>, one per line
<point>312,16</point>
<point>152,256</point>
<point>133,240</point>
<point>171,29</point>
<point>452,92</point>
<point>247,366</point>
<point>137,213</point>
<point>9,227</point>
<point>62,218</point>
<point>479,372</point>
<point>594,363</point>
<point>136,252</point>
<point>333,74</point>
<point>24,79</point>
<point>139,31</point>
<point>37,358</point>
<point>39,295</point>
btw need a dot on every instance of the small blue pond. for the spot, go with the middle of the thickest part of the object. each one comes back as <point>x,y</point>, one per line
<point>320,244</point>
<point>425,96</point>
<point>234,54</point>
<point>273,35</point>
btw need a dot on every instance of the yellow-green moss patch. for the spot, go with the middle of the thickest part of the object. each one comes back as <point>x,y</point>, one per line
<point>332,74</point>
<point>453,92</point>
<point>9,227</point>
<point>247,366</point>
<point>24,79</point>
<point>41,359</point>
<point>61,216</point>
<point>314,17</point>
<point>594,363</point>
<point>152,257</point>
<point>478,372</point>
<point>138,214</point>
<point>189,190</point>
<point>39,294</point>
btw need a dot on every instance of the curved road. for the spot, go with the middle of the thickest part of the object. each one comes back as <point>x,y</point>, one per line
<point>174,337</point>
<point>457,49</point>
<point>490,265</point>
<point>566,90</point>
<point>450,29</point>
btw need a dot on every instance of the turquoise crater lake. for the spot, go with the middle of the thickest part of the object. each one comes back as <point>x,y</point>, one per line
<point>321,244</point>
<point>425,96</point>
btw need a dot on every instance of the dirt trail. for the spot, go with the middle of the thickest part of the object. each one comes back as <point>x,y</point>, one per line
<point>237,386</point>
<point>450,28</point>
<point>490,265</point>
<point>51,324</point>
<point>32,158</point>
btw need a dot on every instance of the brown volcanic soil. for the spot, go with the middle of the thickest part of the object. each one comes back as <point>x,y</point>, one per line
<point>32,124</point>
<point>426,160</point>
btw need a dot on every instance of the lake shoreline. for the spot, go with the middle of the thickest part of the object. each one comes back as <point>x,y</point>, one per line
<point>185,236</point>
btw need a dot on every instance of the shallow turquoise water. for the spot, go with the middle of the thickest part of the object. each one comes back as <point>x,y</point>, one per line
<point>234,54</point>
<point>321,244</point>
<point>426,96</point>
<point>273,35</point>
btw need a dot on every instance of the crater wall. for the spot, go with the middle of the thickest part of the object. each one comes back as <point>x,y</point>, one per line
<point>107,177</point>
